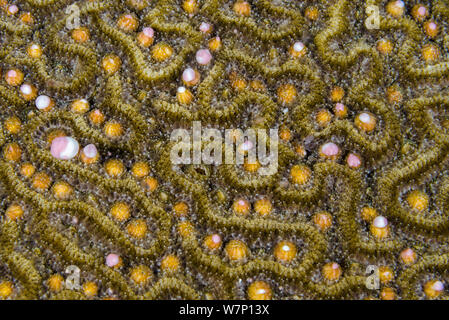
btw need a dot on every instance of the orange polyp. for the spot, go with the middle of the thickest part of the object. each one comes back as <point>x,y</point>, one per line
<point>312,13</point>
<point>323,117</point>
<point>380,227</point>
<point>384,46</point>
<point>114,167</point>
<point>241,207</point>
<point>365,121</point>
<point>368,214</point>
<point>215,44</point>
<point>80,34</point>
<point>263,207</point>
<point>140,275</point>
<point>111,63</point>
<point>41,181</point>
<point>96,117</point>
<point>27,170</point>
<point>297,50</point>
<point>128,23</point>
<point>14,212</point>
<point>14,77</point>
<point>300,151</point>
<point>113,129</point>
<point>251,167</point>
<point>11,9</point>
<point>408,256</point>
<point>181,209</point>
<point>80,106</point>
<point>285,134</point>
<point>242,8</point>
<point>186,228</point>
<point>418,200</point>
<point>379,233</point>
<point>190,77</point>
<point>257,85</point>
<point>190,6</point>
<point>386,274</point>
<point>28,91</point>
<point>331,271</point>
<point>170,263</point>
<point>161,51</point>
<point>89,160</point>
<point>395,8</point>
<point>12,152</point>
<point>238,83</point>
<point>62,190</point>
<point>140,169</point>
<point>27,18</point>
<point>55,282</point>
<point>431,29</point>
<point>6,289</point>
<point>433,288</point>
<point>387,294</point>
<point>286,93</point>
<point>323,220</point>
<point>90,289</point>
<point>430,53</point>
<point>13,125</point>
<point>184,96</point>
<point>420,12</point>
<point>212,241</point>
<point>150,183</point>
<point>394,95</point>
<point>340,110</point>
<point>329,151</point>
<point>120,211</point>
<point>144,39</point>
<point>337,93</point>
<point>34,51</point>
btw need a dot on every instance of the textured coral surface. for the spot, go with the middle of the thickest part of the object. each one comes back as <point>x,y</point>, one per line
<point>363,153</point>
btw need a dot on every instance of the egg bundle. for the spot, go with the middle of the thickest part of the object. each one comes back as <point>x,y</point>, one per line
<point>93,208</point>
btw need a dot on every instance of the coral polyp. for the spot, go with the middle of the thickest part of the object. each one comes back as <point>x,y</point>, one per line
<point>88,105</point>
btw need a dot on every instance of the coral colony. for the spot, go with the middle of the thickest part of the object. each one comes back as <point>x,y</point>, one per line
<point>348,100</point>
